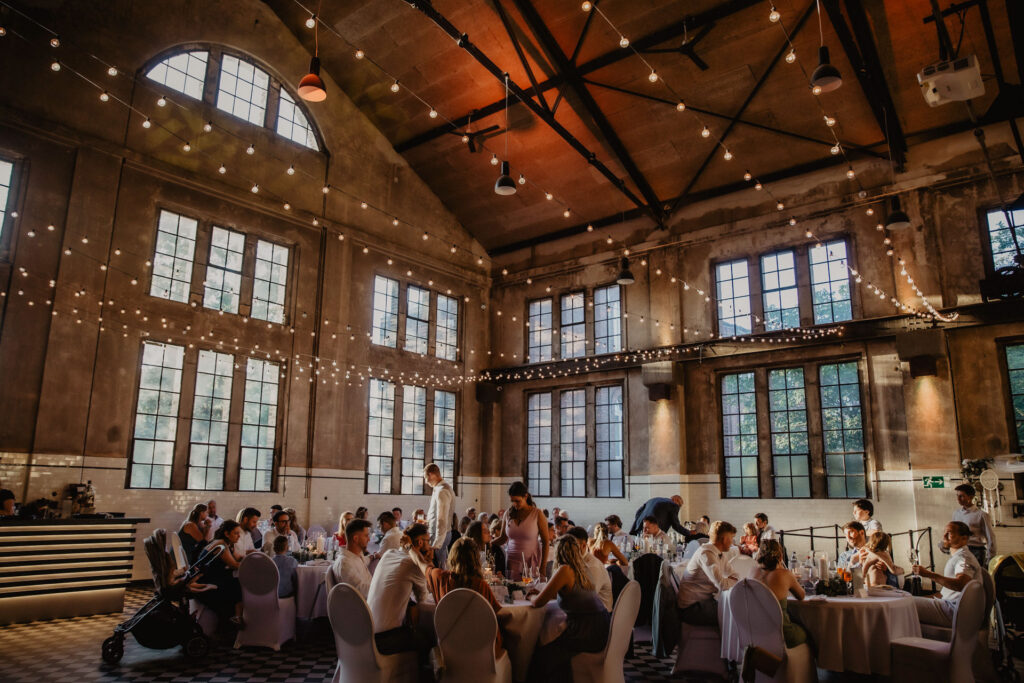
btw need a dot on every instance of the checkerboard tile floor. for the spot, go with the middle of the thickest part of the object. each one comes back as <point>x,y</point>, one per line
<point>68,651</point>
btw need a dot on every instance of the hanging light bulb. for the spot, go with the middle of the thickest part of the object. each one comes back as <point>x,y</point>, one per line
<point>395,86</point>
<point>653,76</point>
<point>850,174</point>
<point>566,213</point>
<point>208,127</point>
<point>623,42</point>
<point>291,170</point>
<point>360,54</point>
<point>494,159</point>
<point>681,106</point>
<point>187,147</point>
<point>55,66</point>
<point>898,219</point>
<point>222,170</point>
<point>727,156</point>
<point>147,123</point>
<point>548,196</point>
<point>505,186</point>
<point>816,89</point>
<point>326,188</point>
<point>311,87</point>
<point>791,56</point>
<point>829,121</point>
<point>758,185</point>
<point>587,6</point>
<point>870,211</point>
<point>250,150</point>
<point>104,97</point>
<point>825,76</point>
<point>774,15</point>
<point>465,138</point>
<point>433,113</point>
<point>835,149</point>
<point>705,133</point>
<point>161,102</point>
<point>625,274</point>
<point>311,21</point>
<point>255,188</point>
<point>747,176</point>
<point>780,206</point>
<point>522,179</point>
<point>112,71</point>
<point>55,42</point>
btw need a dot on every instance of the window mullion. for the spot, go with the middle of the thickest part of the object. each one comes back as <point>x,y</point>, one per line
<point>766,480</point>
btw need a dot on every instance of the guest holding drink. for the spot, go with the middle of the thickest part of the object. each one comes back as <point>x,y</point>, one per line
<point>961,568</point>
<point>772,572</point>
<point>526,531</point>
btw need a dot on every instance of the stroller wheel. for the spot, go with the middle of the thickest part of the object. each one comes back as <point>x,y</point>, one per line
<point>113,649</point>
<point>197,646</point>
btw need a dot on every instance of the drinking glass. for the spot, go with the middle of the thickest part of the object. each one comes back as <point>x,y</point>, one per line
<point>915,558</point>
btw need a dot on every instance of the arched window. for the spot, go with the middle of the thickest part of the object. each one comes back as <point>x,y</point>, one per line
<point>237,86</point>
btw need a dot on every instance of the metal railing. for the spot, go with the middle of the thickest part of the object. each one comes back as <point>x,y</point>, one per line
<point>833,538</point>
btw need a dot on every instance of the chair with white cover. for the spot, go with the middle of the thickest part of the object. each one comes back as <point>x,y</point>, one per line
<point>466,628</point>
<point>742,564</point>
<point>269,620</point>
<point>358,658</point>
<point>923,659</point>
<point>757,620</point>
<point>330,580</point>
<point>606,666</point>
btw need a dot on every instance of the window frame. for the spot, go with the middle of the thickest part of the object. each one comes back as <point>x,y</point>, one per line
<point>209,420</point>
<point>594,320</point>
<point>551,331</point>
<point>425,323</point>
<point>763,291</point>
<point>225,269</point>
<point>550,443</point>
<point>160,210</point>
<point>9,223</point>
<point>563,394</point>
<point>623,441</point>
<point>758,423</point>
<point>582,324</point>
<point>1013,441</point>
<point>986,240</point>
<point>753,295</point>
<point>436,325</point>
<point>177,417</point>
<point>850,264</point>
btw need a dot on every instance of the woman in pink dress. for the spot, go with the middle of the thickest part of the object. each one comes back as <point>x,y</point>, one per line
<point>526,530</point>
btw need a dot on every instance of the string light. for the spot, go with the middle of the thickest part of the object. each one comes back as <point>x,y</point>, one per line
<point>112,71</point>
<point>623,42</point>
<point>311,21</point>
<point>395,87</point>
<point>653,77</point>
<point>161,101</point>
<point>360,54</point>
<point>147,123</point>
<point>104,96</point>
<point>250,150</point>
<point>55,66</point>
<point>791,56</point>
<point>705,133</point>
<point>681,106</point>
<point>774,15</point>
<point>291,170</point>
<point>208,127</point>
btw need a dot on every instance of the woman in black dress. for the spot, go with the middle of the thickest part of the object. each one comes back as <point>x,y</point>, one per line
<point>193,532</point>
<point>226,600</point>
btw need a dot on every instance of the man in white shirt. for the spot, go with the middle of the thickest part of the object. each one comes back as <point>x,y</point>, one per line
<point>350,567</point>
<point>653,532</point>
<point>614,524</point>
<point>398,577</point>
<point>247,519</point>
<point>213,520</point>
<point>392,535</point>
<point>595,568</point>
<point>863,510</point>
<point>765,531</point>
<point>708,573</point>
<point>961,568</point>
<point>982,542</point>
<point>439,515</point>
<point>282,527</point>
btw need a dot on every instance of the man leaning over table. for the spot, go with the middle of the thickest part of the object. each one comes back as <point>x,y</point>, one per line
<point>708,573</point>
<point>961,568</point>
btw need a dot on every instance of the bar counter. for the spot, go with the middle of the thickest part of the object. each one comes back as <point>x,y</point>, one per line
<point>64,567</point>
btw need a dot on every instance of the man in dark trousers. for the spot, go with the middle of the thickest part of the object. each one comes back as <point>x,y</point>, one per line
<point>665,510</point>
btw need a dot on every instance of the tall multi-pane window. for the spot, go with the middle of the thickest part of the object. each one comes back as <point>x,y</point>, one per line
<point>446,327</point>
<point>538,443</point>
<point>292,123</point>
<point>739,433</point>
<point>607,320</point>
<point>574,327</point>
<point>270,281</point>
<point>444,433</point>
<point>830,283</point>
<point>1001,237</point>
<point>172,262</point>
<point>414,437</point>
<point>6,178</point>
<point>787,411</point>
<point>184,72</point>
<point>380,435</point>
<point>211,409</point>
<point>842,430</point>
<point>572,442</point>
<point>156,415</point>
<point>224,271</point>
<point>417,318</point>
<point>242,90</point>
<point>779,291</point>
<point>608,441</point>
<point>384,327</point>
<point>540,331</point>
<point>1015,368</point>
<point>732,282</point>
<point>259,425</point>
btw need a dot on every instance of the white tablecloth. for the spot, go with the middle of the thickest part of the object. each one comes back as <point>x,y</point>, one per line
<point>311,592</point>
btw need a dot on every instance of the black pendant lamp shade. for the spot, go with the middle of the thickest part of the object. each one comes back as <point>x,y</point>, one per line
<point>505,185</point>
<point>625,274</point>
<point>825,76</point>
<point>311,87</point>
<point>898,218</point>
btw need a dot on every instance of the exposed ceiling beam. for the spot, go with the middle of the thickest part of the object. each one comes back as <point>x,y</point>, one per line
<point>776,58</point>
<point>575,82</point>
<point>650,40</point>
<point>510,30</point>
<point>543,114</point>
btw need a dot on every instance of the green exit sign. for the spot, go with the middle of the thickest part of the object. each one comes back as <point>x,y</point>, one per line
<point>934,482</point>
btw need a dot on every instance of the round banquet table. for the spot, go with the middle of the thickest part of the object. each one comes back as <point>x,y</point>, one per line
<point>311,591</point>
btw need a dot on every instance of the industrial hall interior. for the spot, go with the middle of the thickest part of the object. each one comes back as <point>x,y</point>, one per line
<point>512,340</point>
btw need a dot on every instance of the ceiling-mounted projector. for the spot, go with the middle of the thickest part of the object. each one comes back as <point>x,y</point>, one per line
<point>953,80</point>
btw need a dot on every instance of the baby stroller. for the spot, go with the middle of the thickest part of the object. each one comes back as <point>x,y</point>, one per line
<point>1008,576</point>
<point>164,622</point>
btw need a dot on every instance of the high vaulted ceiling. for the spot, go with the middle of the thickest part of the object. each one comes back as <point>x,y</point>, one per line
<point>604,139</point>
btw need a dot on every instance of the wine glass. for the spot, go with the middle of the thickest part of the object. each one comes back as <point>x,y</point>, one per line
<point>915,558</point>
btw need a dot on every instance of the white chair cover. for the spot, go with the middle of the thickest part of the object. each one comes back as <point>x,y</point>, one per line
<point>742,564</point>
<point>330,580</point>
<point>204,616</point>
<point>606,666</point>
<point>698,652</point>
<point>358,659</point>
<point>269,620</point>
<point>466,628</point>
<point>922,659</point>
<point>690,549</point>
<point>757,619</point>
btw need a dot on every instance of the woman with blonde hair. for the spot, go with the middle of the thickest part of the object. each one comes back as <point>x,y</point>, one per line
<point>343,521</point>
<point>603,548</point>
<point>876,561</point>
<point>771,571</point>
<point>587,620</point>
<point>464,571</point>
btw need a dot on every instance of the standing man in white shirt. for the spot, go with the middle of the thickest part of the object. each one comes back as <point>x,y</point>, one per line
<point>350,567</point>
<point>961,568</point>
<point>439,515</point>
<point>397,578</point>
<point>708,573</point>
<point>982,542</point>
<point>863,510</point>
<point>392,535</point>
<point>213,519</point>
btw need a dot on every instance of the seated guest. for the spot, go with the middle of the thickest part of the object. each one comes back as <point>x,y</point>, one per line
<point>397,578</point>
<point>226,600</point>
<point>603,549</point>
<point>350,566</point>
<point>855,539</point>
<point>708,573</point>
<point>287,566</point>
<point>463,525</point>
<point>862,511</point>
<point>594,566</point>
<point>6,503</point>
<point>419,517</point>
<point>497,554</point>
<point>464,571</point>
<point>193,532</point>
<point>587,620</point>
<point>765,531</point>
<point>392,538</point>
<point>294,525</point>
<point>666,513</point>
<point>653,532</point>
<point>748,542</point>
<point>562,527</point>
<point>248,519</point>
<point>771,571</point>
<point>362,513</point>
<point>402,523</point>
<point>875,558</point>
<point>700,530</point>
<point>614,524</point>
<point>282,527</point>
<point>275,509</point>
<point>706,520</point>
<point>214,519</point>
<point>343,521</point>
<point>961,568</point>
<point>471,513</point>
<point>487,550</point>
